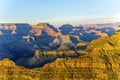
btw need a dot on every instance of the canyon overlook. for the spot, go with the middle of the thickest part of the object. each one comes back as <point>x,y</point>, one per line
<point>51,54</point>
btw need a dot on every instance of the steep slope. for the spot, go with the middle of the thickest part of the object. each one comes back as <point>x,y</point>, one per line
<point>106,42</point>
<point>41,58</point>
<point>43,27</point>
<point>101,63</point>
<point>20,42</point>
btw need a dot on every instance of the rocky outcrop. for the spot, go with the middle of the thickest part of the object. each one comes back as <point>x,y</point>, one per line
<point>66,29</point>
<point>43,27</point>
<point>100,63</point>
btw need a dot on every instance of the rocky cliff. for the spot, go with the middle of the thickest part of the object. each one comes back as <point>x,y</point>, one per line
<point>101,62</point>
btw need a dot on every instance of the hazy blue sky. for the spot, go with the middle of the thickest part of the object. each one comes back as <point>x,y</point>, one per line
<point>59,11</point>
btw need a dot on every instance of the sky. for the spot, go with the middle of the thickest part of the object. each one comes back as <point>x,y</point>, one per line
<point>59,11</point>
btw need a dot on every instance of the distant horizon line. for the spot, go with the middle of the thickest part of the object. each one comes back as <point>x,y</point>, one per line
<point>77,21</point>
<point>62,23</point>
